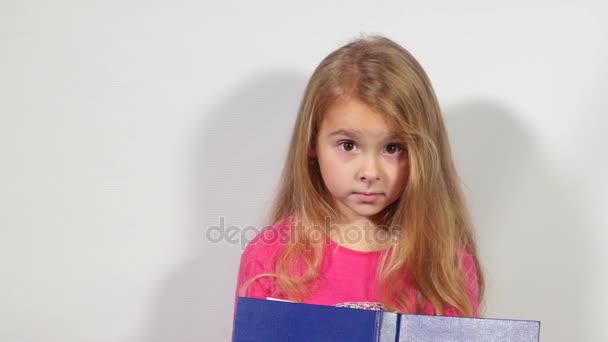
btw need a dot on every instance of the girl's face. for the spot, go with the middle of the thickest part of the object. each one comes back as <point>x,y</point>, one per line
<point>363,164</point>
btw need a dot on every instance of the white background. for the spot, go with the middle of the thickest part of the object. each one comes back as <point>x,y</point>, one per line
<point>128,128</point>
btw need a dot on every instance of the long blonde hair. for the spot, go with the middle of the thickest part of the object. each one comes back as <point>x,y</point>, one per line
<point>430,219</point>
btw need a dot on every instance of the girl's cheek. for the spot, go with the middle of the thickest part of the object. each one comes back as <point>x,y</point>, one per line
<point>343,155</point>
<point>392,161</point>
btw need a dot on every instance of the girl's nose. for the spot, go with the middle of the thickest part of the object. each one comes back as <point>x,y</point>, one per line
<point>369,171</point>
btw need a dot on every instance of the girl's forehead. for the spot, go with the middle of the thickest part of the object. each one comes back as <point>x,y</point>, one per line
<point>355,118</point>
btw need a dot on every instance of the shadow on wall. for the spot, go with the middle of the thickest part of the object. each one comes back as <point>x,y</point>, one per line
<point>592,168</point>
<point>525,221</point>
<point>237,158</point>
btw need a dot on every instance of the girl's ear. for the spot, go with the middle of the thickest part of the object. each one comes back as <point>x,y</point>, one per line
<point>312,150</point>
<point>312,156</point>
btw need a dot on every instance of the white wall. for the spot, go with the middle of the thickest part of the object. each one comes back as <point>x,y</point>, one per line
<point>128,128</point>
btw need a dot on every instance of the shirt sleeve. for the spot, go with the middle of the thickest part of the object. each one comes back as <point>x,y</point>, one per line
<point>259,257</point>
<point>253,262</point>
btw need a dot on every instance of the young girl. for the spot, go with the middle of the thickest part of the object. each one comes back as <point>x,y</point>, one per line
<point>369,212</point>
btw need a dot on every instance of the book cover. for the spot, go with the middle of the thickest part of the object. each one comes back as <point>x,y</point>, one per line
<point>276,320</point>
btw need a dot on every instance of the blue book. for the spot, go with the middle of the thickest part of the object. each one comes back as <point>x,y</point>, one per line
<point>274,321</point>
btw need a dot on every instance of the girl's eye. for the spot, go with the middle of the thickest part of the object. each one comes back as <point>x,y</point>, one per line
<point>394,148</point>
<point>347,145</point>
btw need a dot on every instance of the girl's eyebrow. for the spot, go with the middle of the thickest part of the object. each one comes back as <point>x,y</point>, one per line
<point>349,133</point>
<point>356,134</point>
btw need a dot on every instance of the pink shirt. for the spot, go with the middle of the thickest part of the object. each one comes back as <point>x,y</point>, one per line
<point>347,277</point>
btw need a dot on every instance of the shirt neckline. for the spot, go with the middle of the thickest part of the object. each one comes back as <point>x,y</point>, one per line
<point>336,246</point>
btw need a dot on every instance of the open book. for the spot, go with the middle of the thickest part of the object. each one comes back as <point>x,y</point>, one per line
<point>279,300</point>
<point>278,320</point>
